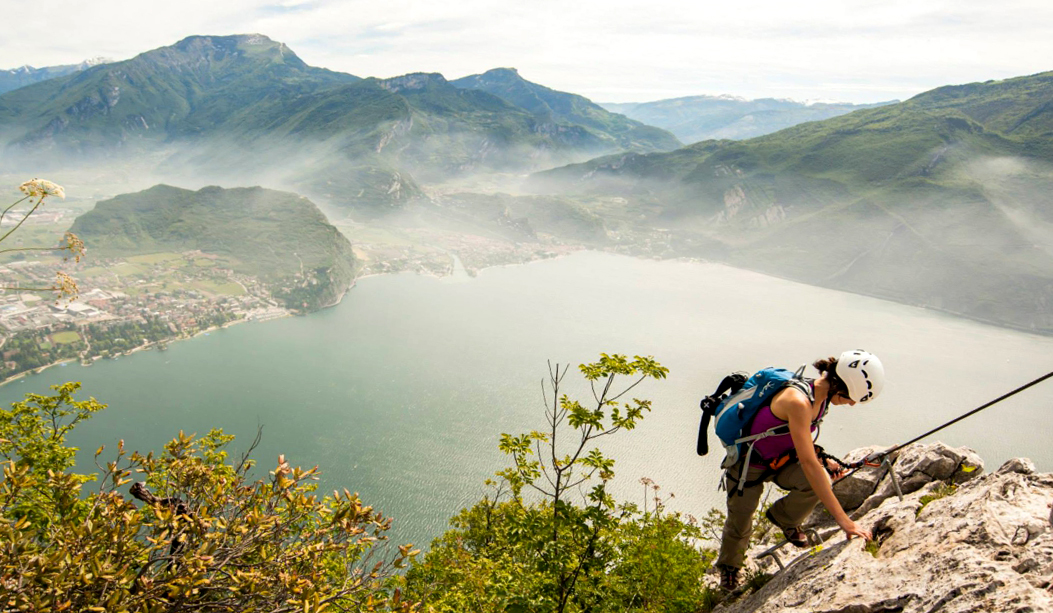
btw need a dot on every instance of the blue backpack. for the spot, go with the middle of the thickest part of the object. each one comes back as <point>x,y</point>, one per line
<point>735,411</point>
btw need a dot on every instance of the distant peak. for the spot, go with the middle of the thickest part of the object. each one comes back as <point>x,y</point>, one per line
<point>245,47</point>
<point>412,81</point>
<point>95,61</point>
<point>256,39</point>
<point>728,97</point>
<point>255,42</point>
<point>247,39</point>
<point>499,74</point>
<point>697,98</point>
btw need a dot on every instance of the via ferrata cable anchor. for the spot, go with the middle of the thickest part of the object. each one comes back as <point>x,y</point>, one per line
<point>887,463</point>
<point>773,551</point>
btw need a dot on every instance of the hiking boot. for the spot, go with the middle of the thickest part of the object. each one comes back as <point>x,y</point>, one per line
<point>729,578</point>
<point>794,535</point>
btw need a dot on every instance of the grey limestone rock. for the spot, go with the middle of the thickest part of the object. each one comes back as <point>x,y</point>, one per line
<point>956,543</point>
<point>1023,466</point>
<point>916,465</point>
<point>853,490</point>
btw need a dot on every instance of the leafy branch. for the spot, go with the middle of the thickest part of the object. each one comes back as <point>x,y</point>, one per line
<point>540,464</point>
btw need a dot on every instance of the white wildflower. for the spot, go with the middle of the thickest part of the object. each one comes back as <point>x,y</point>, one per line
<point>38,188</point>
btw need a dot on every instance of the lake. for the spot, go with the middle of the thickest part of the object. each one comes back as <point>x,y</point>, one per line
<point>401,392</point>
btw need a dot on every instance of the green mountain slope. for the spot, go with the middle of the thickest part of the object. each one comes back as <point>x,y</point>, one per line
<point>374,140</point>
<point>279,237</point>
<point>559,111</point>
<point>697,118</point>
<point>1020,107</point>
<point>937,201</point>
<point>447,129</point>
<point>247,107</point>
<point>187,89</point>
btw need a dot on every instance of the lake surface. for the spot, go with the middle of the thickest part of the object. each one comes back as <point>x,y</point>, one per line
<point>402,391</point>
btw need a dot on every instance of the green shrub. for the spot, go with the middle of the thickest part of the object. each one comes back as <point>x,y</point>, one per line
<point>542,542</point>
<point>208,539</point>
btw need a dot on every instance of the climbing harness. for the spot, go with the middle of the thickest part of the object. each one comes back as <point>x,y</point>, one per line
<point>775,464</point>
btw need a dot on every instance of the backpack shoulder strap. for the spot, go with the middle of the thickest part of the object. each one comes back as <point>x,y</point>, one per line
<point>803,384</point>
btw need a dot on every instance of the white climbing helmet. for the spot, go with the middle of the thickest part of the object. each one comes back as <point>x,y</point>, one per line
<point>862,372</point>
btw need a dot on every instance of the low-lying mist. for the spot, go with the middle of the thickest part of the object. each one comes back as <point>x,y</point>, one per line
<point>969,233</point>
<point>373,173</point>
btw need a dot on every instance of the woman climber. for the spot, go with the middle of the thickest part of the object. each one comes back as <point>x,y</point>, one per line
<point>791,459</point>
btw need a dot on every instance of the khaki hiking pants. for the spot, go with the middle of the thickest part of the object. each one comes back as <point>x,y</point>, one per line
<point>790,510</point>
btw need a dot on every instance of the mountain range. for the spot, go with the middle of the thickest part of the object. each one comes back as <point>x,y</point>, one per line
<point>247,104</point>
<point>697,118</point>
<point>27,75</point>
<point>939,201</point>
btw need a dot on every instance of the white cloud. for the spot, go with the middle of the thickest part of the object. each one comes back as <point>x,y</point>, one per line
<point>607,50</point>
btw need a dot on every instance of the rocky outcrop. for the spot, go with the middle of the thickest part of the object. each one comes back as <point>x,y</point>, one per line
<point>914,466</point>
<point>959,541</point>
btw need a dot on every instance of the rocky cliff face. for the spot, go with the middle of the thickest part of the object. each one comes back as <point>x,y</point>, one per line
<point>959,541</point>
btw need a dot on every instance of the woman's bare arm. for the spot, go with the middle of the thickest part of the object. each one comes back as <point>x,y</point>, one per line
<point>798,411</point>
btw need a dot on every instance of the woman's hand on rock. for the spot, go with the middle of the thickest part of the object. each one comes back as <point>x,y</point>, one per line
<point>851,529</point>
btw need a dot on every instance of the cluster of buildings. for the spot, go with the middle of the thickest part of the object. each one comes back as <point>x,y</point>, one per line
<point>31,311</point>
<point>112,299</point>
<point>44,216</point>
<point>474,251</point>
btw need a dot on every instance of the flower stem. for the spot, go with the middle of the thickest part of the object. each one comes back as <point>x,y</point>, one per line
<point>29,289</point>
<point>31,211</point>
<point>16,203</point>
<point>32,249</point>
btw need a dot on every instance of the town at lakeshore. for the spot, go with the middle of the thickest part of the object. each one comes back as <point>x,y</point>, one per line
<point>146,301</point>
<point>123,306</point>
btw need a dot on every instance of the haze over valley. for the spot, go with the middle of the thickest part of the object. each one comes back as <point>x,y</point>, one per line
<point>698,118</point>
<point>946,185</point>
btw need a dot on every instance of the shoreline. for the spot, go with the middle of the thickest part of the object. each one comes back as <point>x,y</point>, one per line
<point>33,371</point>
<point>354,282</point>
<point>687,259</point>
<point>471,274</point>
<point>1043,333</point>
<point>145,347</point>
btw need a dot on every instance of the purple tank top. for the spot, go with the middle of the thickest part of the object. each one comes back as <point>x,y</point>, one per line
<point>772,447</point>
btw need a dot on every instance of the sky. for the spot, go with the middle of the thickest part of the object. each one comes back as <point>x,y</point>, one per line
<point>609,51</point>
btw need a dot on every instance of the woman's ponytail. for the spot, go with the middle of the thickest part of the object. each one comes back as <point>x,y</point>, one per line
<point>828,366</point>
<point>825,365</point>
